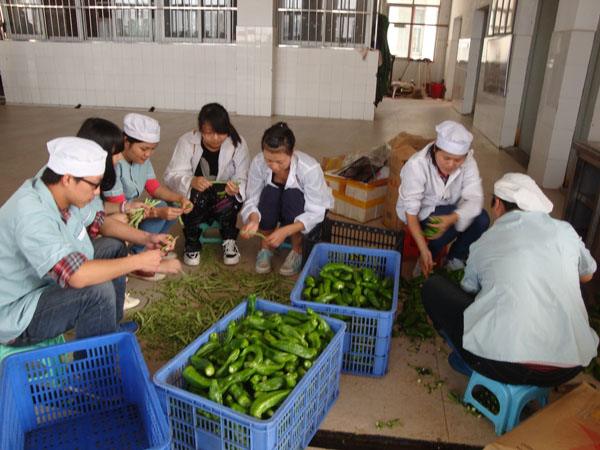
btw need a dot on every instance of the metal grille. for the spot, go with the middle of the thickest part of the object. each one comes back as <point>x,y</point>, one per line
<point>329,23</point>
<point>121,20</point>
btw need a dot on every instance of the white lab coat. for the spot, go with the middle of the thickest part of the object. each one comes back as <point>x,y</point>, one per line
<point>233,164</point>
<point>525,270</point>
<point>305,174</point>
<point>423,189</point>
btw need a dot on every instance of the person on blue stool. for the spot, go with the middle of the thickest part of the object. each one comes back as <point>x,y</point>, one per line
<point>53,277</point>
<point>210,165</point>
<point>520,317</point>
<point>286,187</point>
<point>134,174</point>
<point>442,182</point>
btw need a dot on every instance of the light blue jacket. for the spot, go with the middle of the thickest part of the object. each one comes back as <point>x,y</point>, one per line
<point>33,238</point>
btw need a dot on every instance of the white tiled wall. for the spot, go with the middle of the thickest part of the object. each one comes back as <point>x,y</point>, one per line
<point>317,82</point>
<point>568,60</point>
<point>122,75</point>
<point>333,83</point>
<point>254,74</point>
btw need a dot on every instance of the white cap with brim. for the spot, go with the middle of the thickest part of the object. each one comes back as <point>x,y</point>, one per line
<point>520,189</point>
<point>76,156</point>
<point>453,138</point>
<point>142,128</point>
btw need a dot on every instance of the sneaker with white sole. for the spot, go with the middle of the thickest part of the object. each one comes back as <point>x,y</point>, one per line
<point>130,302</point>
<point>231,254</point>
<point>263,261</point>
<point>292,264</point>
<point>191,258</point>
<point>148,276</point>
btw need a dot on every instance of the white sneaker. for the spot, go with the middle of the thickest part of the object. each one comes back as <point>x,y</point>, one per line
<point>191,258</point>
<point>130,302</point>
<point>454,264</point>
<point>291,265</point>
<point>231,254</point>
<point>148,276</point>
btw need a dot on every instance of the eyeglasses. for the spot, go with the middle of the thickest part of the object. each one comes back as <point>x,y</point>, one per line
<point>94,185</point>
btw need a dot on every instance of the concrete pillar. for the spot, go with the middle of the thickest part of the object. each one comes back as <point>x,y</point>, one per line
<point>564,78</point>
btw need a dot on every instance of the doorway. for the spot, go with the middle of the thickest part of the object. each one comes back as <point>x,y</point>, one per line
<point>534,78</point>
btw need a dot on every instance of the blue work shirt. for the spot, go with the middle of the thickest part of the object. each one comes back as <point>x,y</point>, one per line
<point>33,238</point>
<point>131,179</point>
<point>529,307</point>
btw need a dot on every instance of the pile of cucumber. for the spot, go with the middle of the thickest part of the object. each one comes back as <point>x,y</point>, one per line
<point>344,285</point>
<point>259,361</point>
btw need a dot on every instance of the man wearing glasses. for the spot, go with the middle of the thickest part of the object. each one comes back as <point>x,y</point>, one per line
<point>52,276</point>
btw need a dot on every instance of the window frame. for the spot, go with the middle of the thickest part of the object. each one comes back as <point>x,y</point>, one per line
<point>107,20</point>
<point>328,20</point>
<point>412,24</point>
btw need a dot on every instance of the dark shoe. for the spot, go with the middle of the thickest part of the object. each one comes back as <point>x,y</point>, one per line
<point>459,364</point>
<point>129,327</point>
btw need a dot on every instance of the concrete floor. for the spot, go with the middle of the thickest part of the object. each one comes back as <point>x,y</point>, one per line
<point>363,401</point>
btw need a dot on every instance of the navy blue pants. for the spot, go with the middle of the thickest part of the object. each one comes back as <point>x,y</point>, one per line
<point>445,303</point>
<point>464,239</point>
<point>278,205</point>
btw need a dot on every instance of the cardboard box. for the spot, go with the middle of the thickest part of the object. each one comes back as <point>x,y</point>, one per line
<point>404,145</point>
<point>354,199</point>
<point>571,422</point>
<point>359,201</point>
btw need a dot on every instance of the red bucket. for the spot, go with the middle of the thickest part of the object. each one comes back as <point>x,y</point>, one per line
<point>437,90</point>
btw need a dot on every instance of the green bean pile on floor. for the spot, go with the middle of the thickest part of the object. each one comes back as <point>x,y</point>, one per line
<point>260,360</point>
<point>181,309</point>
<point>413,320</point>
<point>349,286</point>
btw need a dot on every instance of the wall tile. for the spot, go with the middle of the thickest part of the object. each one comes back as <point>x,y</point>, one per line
<point>335,109</point>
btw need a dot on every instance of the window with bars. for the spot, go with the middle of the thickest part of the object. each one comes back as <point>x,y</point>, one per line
<point>501,17</point>
<point>413,28</point>
<point>330,23</point>
<point>121,20</point>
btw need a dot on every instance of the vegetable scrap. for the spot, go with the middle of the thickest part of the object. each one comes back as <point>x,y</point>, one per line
<point>181,309</point>
<point>426,372</point>
<point>390,423</point>
<point>413,320</point>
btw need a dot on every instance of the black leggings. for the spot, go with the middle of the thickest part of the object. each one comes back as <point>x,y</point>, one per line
<point>209,206</point>
<point>445,302</point>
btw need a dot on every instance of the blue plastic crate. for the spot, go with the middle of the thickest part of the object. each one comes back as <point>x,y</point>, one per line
<point>291,427</point>
<point>104,400</point>
<point>369,331</point>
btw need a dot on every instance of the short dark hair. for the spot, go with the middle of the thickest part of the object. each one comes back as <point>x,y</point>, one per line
<point>508,206</point>
<point>218,118</point>
<point>279,135</point>
<point>108,136</point>
<point>131,140</point>
<point>50,177</point>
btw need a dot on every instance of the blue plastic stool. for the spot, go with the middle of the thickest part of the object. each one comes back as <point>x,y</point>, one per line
<point>209,240</point>
<point>511,397</point>
<point>6,350</point>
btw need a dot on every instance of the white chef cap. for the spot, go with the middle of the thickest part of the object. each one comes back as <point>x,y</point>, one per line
<point>453,138</point>
<point>521,189</point>
<point>142,128</point>
<point>76,156</point>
